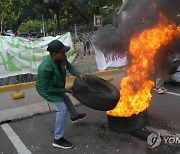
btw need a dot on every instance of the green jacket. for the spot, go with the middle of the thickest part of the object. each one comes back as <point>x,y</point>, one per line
<point>50,82</point>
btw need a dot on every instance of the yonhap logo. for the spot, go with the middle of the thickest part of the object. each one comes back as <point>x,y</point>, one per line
<point>154,140</point>
<point>171,140</point>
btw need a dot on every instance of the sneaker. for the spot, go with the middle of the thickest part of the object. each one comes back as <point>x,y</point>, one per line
<point>79,117</point>
<point>159,91</point>
<point>62,143</point>
<point>164,89</point>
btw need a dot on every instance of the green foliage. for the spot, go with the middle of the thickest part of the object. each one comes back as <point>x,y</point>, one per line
<point>30,26</point>
<point>14,12</point>
<point>36,26</point>
<point>50,26</point>
<point>62,13</point>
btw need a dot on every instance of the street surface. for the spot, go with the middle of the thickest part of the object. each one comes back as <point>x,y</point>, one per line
<point>91,135</point>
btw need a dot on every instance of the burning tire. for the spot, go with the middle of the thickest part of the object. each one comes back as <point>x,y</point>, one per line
<point>96,93</point>
<point>128,124</point>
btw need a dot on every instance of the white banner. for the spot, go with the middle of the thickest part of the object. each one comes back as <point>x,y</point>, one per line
<point>110,60</point>
<point>22,56</point>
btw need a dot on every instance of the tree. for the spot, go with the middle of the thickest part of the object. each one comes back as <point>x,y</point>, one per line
<point>65,13</point>
<point>36,26</point>
<point>14,12</point>
<point>56,7</point>
<point>78,11</point>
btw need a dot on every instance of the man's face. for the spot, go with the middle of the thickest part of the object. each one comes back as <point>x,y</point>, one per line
<point>59,56</point>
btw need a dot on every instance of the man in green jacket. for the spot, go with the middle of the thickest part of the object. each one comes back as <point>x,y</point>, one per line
<point>50,84</point>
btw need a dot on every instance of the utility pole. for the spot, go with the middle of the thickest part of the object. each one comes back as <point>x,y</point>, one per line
<point>1,26</point>
<point>43,26</point>
<point>75,31</point>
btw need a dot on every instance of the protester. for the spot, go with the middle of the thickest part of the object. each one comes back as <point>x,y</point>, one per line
<point>87,44</point>
<point>161,71</point>
<point>175,72</point>
<point>160,89</point>
<point>50,84</point>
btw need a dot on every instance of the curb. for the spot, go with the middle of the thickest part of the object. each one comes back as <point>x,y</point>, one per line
<point>21,100</point>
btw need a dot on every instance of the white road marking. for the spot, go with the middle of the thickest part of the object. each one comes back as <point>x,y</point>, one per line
<point>173,93</point>
<point>168,92</point>
<point>18,144</point>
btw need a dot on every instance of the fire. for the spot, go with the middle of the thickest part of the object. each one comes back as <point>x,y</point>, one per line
<point>135,88</point>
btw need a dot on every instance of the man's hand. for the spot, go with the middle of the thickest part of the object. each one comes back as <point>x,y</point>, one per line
<point>83,77</point>
<point>69,90</point>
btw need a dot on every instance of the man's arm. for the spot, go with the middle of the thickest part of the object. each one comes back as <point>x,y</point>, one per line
<point>72,69</point>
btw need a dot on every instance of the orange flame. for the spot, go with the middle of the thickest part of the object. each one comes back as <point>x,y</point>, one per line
<point>135,88</point>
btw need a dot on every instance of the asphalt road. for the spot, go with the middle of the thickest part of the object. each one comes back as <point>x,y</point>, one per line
<point>92,135</point>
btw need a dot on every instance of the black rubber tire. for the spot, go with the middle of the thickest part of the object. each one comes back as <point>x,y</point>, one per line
<point>96,93</point>
<point>128,124</point>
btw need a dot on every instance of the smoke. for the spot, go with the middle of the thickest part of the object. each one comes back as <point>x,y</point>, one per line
<point>110,39</point>
<point>140,15</point>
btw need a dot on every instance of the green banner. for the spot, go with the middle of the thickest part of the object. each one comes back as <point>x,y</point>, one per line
<point>21,56</point>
